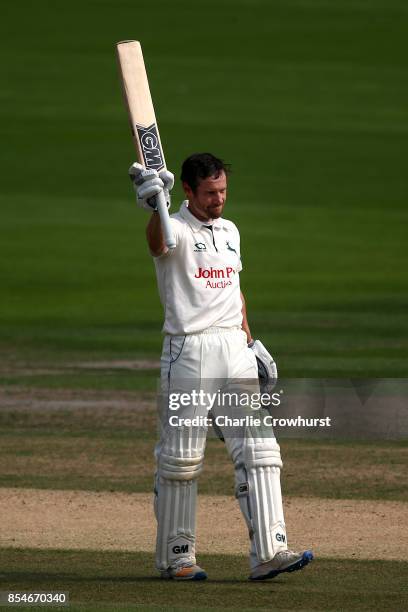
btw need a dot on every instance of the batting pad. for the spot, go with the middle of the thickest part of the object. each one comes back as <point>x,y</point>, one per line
<point>259,495</point>
<point>180,461</point>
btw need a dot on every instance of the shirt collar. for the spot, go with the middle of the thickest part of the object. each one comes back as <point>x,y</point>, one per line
<point>195,223</point>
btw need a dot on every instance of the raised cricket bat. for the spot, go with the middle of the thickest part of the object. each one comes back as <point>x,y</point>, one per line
<point>143,121</point>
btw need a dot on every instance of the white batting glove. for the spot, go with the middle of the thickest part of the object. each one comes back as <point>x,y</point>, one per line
<point>148,183</point>
<point>267,370</point>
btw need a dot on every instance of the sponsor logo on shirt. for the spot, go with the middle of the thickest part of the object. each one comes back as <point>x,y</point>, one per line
<point>200,246</point>
<point>214,272</point>
<point>224,274</point>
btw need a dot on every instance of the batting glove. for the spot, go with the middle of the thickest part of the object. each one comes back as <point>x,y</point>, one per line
<point>267,370</point>
<point>148,183</point>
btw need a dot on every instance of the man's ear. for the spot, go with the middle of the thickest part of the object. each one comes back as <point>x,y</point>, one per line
<point>187,190</point>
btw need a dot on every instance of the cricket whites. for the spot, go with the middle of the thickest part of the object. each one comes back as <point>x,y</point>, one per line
<point>143,121</point>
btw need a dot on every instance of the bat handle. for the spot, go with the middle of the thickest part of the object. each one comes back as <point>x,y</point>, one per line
<point>165,221</point>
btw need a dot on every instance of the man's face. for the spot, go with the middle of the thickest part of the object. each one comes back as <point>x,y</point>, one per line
<point>209,198</point>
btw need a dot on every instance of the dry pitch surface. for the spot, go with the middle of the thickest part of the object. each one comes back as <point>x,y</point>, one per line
<point>33,518</point>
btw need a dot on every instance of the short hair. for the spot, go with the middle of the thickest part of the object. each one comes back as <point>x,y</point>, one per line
<point>200,166</point>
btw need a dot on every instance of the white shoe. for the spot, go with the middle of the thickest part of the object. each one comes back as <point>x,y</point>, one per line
<point>184,572</point>
<point>283,561</point>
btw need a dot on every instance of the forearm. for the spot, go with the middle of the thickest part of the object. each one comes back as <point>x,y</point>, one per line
<point>154,235</point>
<point>245,325</point>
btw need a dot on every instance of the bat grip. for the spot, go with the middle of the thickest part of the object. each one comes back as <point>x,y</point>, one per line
<point>165,220</point>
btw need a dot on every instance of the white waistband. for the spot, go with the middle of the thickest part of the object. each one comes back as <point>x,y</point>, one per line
<point>220,330</point>
<point>215,330</point>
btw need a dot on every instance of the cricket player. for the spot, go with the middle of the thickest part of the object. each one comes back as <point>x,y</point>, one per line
<point>207,338</point>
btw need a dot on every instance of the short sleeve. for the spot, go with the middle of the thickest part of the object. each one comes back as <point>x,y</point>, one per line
<point>238,242</point>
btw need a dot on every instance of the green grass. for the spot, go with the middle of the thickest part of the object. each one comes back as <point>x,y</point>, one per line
<point>306,99</point>
<point>145,380</point>
<point>78,444</point>
<point>105,580</point>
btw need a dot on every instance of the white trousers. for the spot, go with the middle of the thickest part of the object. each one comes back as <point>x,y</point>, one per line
<point>215,360</point>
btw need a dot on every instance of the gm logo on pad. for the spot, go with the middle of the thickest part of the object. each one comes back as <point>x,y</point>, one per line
<point>180,549</point>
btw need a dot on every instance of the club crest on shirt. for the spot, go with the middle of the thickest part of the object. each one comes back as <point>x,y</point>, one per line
<point>230,247</point>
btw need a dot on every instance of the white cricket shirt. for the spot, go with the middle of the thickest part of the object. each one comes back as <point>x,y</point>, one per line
<point>198,281</point>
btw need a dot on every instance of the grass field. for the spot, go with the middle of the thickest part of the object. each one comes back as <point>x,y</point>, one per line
<point>119,582</point>
<point>77,440</point>
<point>307,99</point>
<point>102,442</point>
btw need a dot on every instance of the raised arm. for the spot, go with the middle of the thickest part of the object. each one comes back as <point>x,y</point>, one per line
<point>154,235</point>
<point>150,187</point>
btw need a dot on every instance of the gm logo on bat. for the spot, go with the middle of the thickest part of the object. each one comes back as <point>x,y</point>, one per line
<point>149,140</point>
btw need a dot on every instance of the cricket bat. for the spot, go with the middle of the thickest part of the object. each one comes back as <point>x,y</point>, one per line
<point>143,121</point>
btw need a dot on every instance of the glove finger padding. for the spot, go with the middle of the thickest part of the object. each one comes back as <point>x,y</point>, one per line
<point>149,188</point>
<point>148,184</point>
<point>135,172</point>
<point>147,175</point>
<point>168,179</point>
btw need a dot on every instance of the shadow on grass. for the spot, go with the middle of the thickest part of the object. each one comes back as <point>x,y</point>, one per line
<point>119,579</point>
